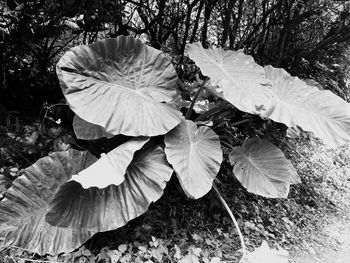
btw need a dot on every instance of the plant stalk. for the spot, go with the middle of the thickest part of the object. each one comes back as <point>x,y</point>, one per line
<point>193,102</point>
<point>226,144</point>
<point>240,122</point>
<point>223,202</point>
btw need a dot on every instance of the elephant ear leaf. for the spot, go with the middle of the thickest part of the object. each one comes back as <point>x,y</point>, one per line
<point>261,168</point>
<point>120,85</point>
<point>242,81</point>
<point>23,209</point>
<point>111,167</point>
<point>318,111</point>
<point>112,207</point>
<point>87,131</point>
<point>196,155</point>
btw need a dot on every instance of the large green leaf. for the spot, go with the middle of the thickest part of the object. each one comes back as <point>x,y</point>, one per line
<point>22,211</point>
<point>195,155</point>
<point>111,167</point>
<point>242,81</point>
<point>87,131</point>
<point>119,84</point>
<point>261,168</point>
<point>314,110</point>
<point>105,209</point>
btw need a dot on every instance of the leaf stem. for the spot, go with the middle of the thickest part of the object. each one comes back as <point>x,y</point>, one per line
<point>223,202</point>
<point>226,144</point>
<point>211,112</point>
<point>193,102</point>
<point>240,122</point>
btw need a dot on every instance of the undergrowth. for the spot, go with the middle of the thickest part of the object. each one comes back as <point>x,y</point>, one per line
<point>177,229</point>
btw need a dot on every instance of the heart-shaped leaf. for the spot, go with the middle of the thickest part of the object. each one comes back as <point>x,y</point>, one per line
<point>119,84</point>
<point>318,111</point>
<point>111,167</point>
<point>261,168</point>
<point>242,81</point>
<point>22,211</point>
<point>196,155</point>
<point>112,207</point>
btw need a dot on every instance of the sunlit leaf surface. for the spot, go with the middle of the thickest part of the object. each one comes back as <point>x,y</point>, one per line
<point>112,207</point>
<point>120,84</point>
<point>261,168</point>
<point>318,111</point>
<point>110,168</point>
<point>22,211</point>
<point>196,156</point>
<point>242,81</point>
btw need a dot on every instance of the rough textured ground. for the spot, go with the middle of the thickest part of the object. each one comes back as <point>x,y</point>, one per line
<point>330,242</point>
<point>313,224</point>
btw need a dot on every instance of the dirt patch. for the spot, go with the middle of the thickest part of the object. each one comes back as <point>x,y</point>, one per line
<point>332,243</point>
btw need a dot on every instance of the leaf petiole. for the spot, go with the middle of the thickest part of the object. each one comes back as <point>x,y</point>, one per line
<point>223,202</point>
<point>193,102</point>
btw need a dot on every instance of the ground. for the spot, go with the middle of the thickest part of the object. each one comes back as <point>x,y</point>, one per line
<point>312,224</point>
<point>332,243</point>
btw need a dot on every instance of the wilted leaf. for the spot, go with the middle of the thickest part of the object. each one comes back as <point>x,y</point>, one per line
<point>196,156</point>
<point>119,84</point>
<point>22,211</point>
<point>319,111</point>
<point>112,207</point>
<point>111,167</point>
<point>264,254</point>
<point>242,81</point>
<point>261,168</point>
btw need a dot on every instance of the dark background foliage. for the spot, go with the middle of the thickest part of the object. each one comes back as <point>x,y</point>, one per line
<point>308,38</point>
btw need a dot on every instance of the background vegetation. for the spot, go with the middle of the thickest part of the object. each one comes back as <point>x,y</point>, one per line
<point>310,39</point>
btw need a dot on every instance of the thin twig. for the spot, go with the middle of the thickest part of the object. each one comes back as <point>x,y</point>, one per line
<point>223,202</point>
<point>240,122</point>
<point>226,144</point>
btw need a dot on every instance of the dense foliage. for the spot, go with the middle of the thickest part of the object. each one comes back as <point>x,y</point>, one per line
<point>141,113</point>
